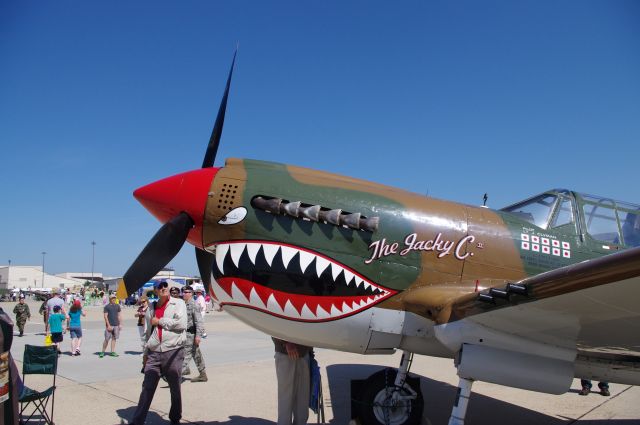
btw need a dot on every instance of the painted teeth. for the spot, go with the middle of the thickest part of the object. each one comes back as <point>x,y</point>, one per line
<point>346,308</point>
<point>255,300</point>
<point>236,251</point>
<point>335,271</point>
<point>321,265</point>
<point>305,259</point>
<point>307,314</point>
<point>289,305</point>
<point>252,250</point>
<point>221,252</point>
<point>238,295</point>
<point>314,312</point>
<point>272,305</point>
<point>289,309</point>
<point>348,276</point>
<point>322,314</point>
<point>270,251</point>
<point>287,253</point>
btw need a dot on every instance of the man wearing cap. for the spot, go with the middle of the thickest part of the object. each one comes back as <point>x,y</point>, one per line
<point>54,301</point>
<point>164,353</point>
<point>201,305</point>
<point>174,291</point>
<point>141,313</point>
<point>22,313</point>
<point>112,320</point>
<point>195,329</point>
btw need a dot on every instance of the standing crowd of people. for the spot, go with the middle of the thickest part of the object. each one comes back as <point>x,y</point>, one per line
<point>171,328</point>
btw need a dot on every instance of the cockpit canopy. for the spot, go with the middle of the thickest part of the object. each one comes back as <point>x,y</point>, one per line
<point>602,219</point>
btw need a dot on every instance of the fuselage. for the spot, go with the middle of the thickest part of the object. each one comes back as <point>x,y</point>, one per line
<point>331,261</point>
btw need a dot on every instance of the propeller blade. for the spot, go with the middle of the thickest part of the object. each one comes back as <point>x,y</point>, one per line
<point>216,133</point>
<point>205,261</point>
<point>161,249</point>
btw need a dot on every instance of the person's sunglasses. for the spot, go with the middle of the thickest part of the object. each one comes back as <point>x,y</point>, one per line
<point>162,285</point>
<point>188,292</point>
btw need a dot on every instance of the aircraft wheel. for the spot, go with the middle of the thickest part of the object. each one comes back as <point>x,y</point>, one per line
<point>381,407</point>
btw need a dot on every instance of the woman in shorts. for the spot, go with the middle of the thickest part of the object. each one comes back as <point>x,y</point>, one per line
<point>75,327</point>
<point>55,326</point>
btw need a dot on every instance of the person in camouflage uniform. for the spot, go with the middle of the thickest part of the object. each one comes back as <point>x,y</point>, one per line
<point>45,314</point>
<point>22,313</point>
<point>195,329</point>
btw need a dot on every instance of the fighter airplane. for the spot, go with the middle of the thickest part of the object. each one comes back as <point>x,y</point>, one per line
<point>528,296</point>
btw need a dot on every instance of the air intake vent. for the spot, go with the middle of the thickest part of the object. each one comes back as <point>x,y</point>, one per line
<point>228,197</point>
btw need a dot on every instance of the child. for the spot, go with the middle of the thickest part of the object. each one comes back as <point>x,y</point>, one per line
<point>75,327</point>
<point>55,326</point>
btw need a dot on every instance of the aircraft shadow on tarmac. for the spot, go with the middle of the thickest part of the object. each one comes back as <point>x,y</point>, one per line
<point>154,418</point>
<point>438,402</point>
<point>482,410</point>
<point>241,420</point>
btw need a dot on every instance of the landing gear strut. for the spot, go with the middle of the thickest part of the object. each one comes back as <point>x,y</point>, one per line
<point>462,399</point>
<point>387,398</point>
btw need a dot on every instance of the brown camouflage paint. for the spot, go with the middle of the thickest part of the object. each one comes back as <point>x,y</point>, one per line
<point>490,258</point>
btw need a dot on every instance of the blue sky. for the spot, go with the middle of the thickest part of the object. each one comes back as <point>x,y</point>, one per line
<point>449,98</point>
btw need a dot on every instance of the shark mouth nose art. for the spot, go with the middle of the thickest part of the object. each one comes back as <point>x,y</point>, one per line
<point>291,282</point>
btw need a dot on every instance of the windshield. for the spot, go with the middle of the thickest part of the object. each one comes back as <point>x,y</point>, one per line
<point>536,210</point>
<point>605,219</point>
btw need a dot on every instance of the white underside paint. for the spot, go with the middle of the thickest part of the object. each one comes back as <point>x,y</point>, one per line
<point>348,334</point>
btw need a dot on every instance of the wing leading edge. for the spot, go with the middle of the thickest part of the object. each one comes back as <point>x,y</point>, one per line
<point>598,296</point>
<point>584,317</point>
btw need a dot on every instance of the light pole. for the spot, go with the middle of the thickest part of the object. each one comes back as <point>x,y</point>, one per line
<point>43,254</point>
<point>93,258</point>
<point>9,274</point>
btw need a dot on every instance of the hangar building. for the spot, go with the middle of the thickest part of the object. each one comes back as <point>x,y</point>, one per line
<point>32,277</point>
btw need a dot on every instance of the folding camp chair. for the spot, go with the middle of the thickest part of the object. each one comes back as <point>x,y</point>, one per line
<point>41,361</point>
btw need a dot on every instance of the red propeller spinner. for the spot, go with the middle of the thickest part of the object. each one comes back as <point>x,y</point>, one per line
<point>185,192</point>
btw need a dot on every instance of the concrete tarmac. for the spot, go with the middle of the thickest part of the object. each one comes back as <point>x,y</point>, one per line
<point>242,384</point>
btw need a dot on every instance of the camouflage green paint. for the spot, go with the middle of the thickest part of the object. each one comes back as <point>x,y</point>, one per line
<point>348,246</point>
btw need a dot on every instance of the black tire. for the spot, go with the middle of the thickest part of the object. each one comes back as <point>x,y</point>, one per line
<point>379,387</point>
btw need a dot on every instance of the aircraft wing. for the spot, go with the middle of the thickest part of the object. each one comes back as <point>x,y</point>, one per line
<point>593,305</point>
<point>581,320</point>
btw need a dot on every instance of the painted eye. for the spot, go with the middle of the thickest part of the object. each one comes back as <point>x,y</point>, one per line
<point>234,216</point>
